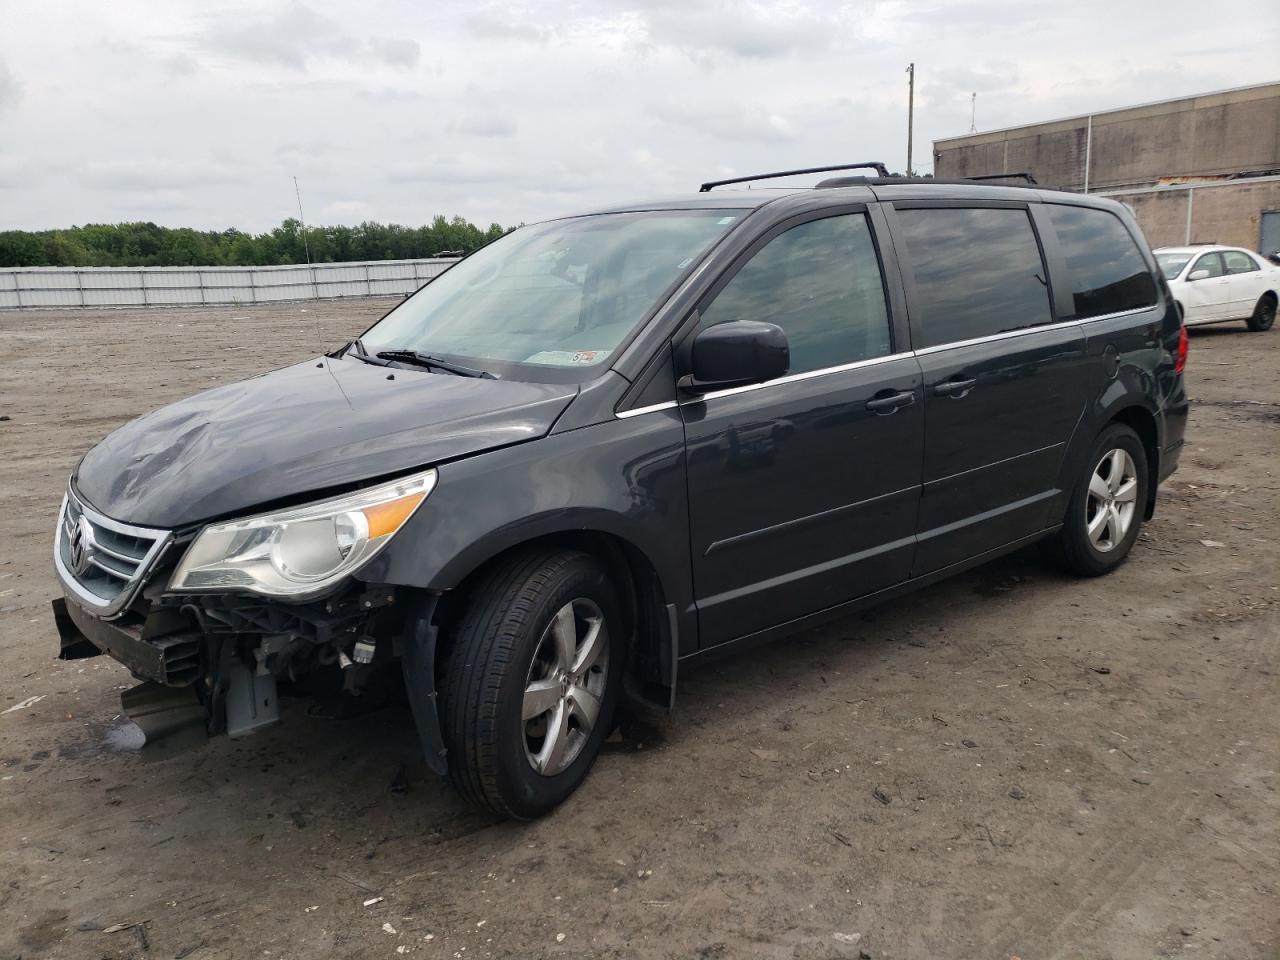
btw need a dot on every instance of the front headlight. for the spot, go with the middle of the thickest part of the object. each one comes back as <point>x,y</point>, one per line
<point>304,550</point>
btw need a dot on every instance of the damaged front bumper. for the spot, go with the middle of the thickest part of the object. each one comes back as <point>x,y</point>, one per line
<point>172,660</point>
<point>212,662</point>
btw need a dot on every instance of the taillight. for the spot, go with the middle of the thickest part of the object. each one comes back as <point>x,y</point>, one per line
<point>1180,364</point>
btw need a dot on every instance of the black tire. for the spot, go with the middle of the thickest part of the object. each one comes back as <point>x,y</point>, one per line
<point>1073,548</point>
<point>1264,314</point>
<point>508,615</point>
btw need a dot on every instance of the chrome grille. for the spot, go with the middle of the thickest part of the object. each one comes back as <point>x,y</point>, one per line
<point>101,561</point>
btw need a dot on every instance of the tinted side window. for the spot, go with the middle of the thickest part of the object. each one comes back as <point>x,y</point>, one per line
<point>978,271</point>
<point>1211,262</point>
<point>821,283</point>
<point>1238,262</point>
<point>1105,267</point>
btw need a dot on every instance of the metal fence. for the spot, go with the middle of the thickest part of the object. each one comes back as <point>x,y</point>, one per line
<point>195,286</point>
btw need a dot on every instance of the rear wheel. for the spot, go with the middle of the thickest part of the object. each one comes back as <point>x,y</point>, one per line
<point>1264,314</point>
<point>1107,505</point>
<point>532,681</point>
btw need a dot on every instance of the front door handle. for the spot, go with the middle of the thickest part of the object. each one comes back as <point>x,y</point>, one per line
<point>954,387</point>
<point>884,404</point>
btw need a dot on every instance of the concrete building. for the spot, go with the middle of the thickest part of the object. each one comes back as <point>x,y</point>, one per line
<point>1199,169</point>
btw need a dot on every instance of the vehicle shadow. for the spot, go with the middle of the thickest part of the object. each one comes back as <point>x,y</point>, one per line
<point>1228,328</point>
<point>340,777</point>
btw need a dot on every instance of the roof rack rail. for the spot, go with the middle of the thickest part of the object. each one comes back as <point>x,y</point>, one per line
<point>875,165</point>
<point>1020,175</point>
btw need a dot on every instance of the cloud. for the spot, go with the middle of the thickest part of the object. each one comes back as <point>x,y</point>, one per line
<point>180,64</point>
<point>154,205</point>
<point>397,53</point>
<point>753,31</point>
<point>750,29</point>
<point>10,88</point>
<point>736,122</point>
<point>346,211</point>
<point>497,23</point>
<point>486,125</point>
<point>514,110</point>
<point>957,83</point>
<point>452,170</point>
<point>297,35</point>
<point>156,174</point>
<point>13,173</point>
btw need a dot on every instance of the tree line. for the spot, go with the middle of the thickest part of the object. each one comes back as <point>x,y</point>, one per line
<point>149,245</point>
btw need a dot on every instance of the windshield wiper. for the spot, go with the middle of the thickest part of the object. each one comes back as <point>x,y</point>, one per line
<point>430,362</point>
<point>355,348</point>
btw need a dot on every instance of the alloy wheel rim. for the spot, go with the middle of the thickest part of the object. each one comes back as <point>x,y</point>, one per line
<point>1112,500</point>
<point>565,686</point>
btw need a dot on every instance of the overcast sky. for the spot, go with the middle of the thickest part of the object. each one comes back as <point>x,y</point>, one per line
<point>195,113</point>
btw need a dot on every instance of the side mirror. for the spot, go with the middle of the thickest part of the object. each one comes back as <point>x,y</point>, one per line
<point>736,354</point>
<point>1200,274</point>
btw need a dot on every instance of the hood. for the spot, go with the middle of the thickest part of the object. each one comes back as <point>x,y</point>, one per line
<point>317,425</point>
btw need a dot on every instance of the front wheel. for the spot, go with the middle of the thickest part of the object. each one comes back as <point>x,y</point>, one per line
<point>532,681</point>
<point>1107,505</point>
<point>1264,314</point>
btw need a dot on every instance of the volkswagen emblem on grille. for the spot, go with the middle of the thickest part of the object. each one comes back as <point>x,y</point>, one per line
<point>81,546</point>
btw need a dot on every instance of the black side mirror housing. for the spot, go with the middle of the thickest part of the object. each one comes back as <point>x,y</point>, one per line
<point>736,354</point>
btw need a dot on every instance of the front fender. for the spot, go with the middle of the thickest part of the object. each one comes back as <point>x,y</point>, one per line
<point>622,477</point>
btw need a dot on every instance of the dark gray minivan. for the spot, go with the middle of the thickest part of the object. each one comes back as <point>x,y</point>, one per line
<point>606,444</point>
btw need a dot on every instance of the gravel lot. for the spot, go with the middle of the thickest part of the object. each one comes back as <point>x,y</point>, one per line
<point>1010,763</point>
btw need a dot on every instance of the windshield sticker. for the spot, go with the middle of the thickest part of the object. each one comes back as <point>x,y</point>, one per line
<point>684,263</point>
<point>723,220</point>
<point>568,358</point>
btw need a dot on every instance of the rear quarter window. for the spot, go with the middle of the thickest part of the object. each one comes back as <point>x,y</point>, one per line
<point>1105,268</point>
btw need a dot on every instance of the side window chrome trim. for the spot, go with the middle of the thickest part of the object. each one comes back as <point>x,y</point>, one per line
<point>1027,331</point>
<point>873,361</point>
<point>1120,313</point>
<point>652,408</point>
<point>797,377</point>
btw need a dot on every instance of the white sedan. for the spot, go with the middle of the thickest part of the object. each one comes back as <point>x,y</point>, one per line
<point>1214,284</point>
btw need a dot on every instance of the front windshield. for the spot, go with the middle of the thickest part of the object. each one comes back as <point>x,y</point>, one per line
<point>1171,264</point>
<point>549,300</point>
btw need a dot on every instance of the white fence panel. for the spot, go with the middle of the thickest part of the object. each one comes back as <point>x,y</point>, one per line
<point>196,286</point>
<point>60,281</point>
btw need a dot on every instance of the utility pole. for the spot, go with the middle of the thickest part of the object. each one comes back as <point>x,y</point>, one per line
<point>973,113</point>
<point>911,107</point>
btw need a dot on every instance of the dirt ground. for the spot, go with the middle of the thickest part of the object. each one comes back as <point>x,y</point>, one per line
<point>1011,763</point>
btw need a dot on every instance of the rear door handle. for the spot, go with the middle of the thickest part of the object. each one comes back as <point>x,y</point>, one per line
<point>954,388</point>
<point>884,404</point>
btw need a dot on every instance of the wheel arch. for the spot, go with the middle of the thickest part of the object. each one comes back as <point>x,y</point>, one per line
<point>1143,422</point>
<point>652,647</point>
